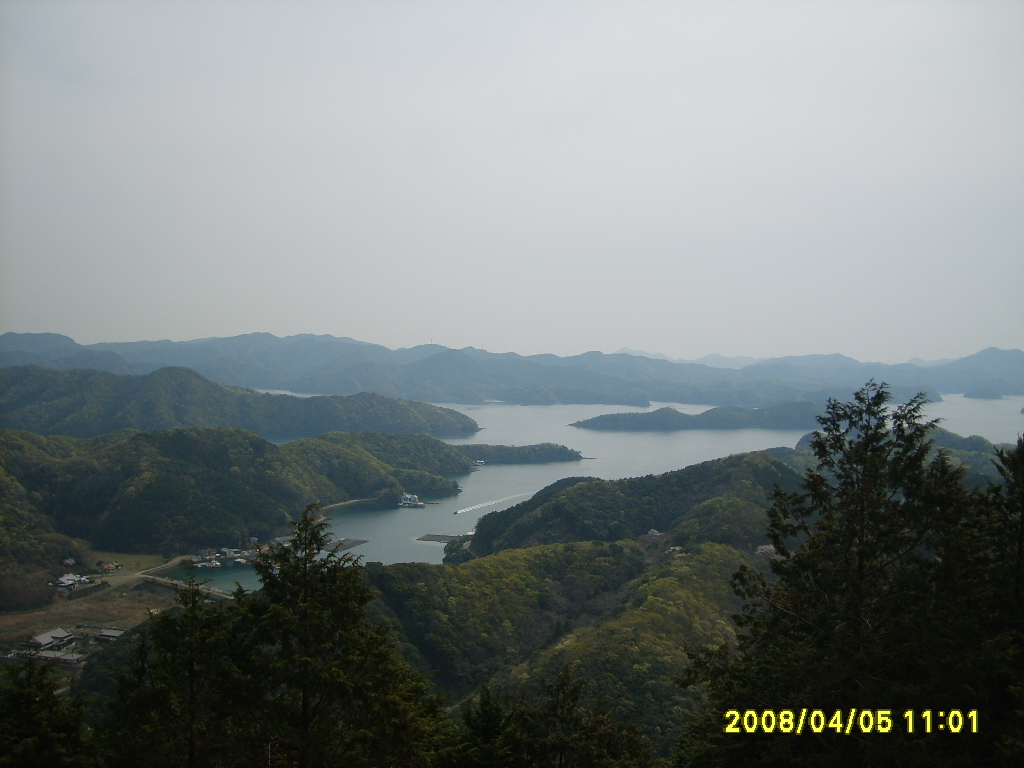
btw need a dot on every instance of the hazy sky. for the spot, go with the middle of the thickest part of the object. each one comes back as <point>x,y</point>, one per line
<point>748,178</point>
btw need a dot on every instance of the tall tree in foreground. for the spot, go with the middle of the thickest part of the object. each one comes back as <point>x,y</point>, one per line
<point>556,730</point>
<point>38,728</point>
<point>880,598</point>
<point>291,676</point>
<point>175,705</point>
<point>1010,464</point>
<point>326,687</point>
<point>1005,645</point>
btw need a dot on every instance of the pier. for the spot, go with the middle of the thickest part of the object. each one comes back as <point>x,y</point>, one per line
<point>344,544</point>
<point>445,537</point>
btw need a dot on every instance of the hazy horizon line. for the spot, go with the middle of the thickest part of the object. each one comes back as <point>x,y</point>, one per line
<point>634,351</point>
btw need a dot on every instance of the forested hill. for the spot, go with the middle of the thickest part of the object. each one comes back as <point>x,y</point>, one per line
<point>599,590</point>
<point>87,403</point>
<point>798,415</point>
<point>541,453</point>
<point>587,509</point>
<point>177,490</point>
<point>575,576</point>
<point>180,490</point>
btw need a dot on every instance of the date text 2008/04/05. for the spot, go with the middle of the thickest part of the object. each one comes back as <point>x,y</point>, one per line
<point>850,721</point>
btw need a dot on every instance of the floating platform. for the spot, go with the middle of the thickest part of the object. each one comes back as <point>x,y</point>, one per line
<point>344,544</point>
<point>445,537</point>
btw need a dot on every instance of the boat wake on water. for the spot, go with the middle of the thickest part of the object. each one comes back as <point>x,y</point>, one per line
<point>488,503</point>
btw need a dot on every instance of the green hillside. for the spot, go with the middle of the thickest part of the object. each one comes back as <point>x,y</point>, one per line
<point>87,403</point>
<point>636,651</point>
<point>610,510</point>
<point>572,576</point>
<point>31,552</point>
<point>411,452</point>
<point>469,622</point>
<point>174,491</point>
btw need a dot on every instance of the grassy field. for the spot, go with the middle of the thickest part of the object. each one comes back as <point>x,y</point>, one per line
<point>129,562</point>
<point>127,602</point>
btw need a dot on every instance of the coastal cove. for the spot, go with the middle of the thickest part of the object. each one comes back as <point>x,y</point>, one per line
<point>392,535</point>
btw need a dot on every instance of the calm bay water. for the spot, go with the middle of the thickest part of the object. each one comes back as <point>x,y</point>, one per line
<point>997,420</point>
<point>392,534</point>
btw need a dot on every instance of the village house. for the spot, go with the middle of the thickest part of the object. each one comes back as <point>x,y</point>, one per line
<point>69,581</point>
<point>69,659</point>
<point>53,640</point>
<point>109,635</point>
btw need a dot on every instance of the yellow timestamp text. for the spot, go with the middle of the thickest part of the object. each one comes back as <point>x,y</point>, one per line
<point>849,721</point>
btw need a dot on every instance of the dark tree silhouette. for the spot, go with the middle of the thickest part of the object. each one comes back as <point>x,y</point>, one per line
<point>38,729</point>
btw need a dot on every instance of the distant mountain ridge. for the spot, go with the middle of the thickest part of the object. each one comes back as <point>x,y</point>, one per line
<point>433,373</point>
<point>53,350</point>
<point>713,360</point>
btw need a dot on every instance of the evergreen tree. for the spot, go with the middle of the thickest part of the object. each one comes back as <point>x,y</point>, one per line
<point>328,689</point>
<point>290,675</point>
<point>38,729</point>
<point>1004,647</point>
<point>1010,501</point>
<point>879,597</point>
<point>557,730</point>
<point>490,738</point>
<point>175,705</point>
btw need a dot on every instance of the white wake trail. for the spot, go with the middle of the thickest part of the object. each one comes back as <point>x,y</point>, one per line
<point>488,503</point>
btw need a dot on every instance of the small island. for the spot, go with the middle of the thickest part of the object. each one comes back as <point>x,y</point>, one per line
<point>986,391</point>
<point>797,415</point>
<point>542,453</point>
